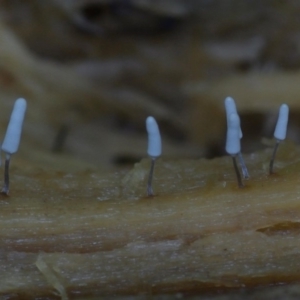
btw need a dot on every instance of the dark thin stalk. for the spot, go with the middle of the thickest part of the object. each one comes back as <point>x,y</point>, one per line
<point>5,188</point>
<point>243,166</point>
<point>149,186</point>
<point>237,172</point>
<point>273,158</point>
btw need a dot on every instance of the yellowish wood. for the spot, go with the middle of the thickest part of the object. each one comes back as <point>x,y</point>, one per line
<point>98,234</point>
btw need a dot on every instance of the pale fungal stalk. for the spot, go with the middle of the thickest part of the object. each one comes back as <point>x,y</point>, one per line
<point>233,145</point>
<point>230,108</point>
<point>12,137</point>
<point>154,149</point>
<point>280,132</point>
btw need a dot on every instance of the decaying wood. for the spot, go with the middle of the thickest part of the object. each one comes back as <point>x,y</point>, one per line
<point>87,233</point>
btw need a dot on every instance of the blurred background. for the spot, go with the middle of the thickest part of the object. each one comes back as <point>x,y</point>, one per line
<point>93,70</point>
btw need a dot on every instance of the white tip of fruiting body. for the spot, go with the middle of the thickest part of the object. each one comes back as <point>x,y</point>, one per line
<point>281,126</point>
<point>154,139</point>
<point>230,108</point>
<point>233,144</point>
<point>12,137</point>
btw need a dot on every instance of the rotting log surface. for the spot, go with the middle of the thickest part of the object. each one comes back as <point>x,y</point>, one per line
<point>85,234</point>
